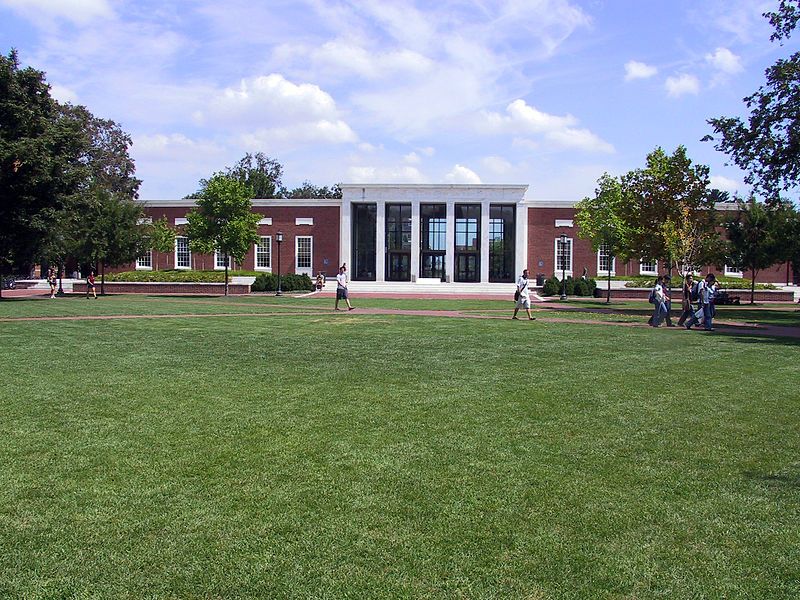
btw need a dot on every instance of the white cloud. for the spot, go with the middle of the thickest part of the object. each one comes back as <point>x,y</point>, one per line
<point>497,165</point>
<point>427,150</point>
<point>724,183</point>
<point>334,132</point>
<point>521,118</point>
<point>80,12</point>
<point>682,84</point>
<point>638,70</point>
<point>63,93</point>
<point>462,174</point>
<point>724,60</point>
<point>412,158</point>
<point>366,174</point>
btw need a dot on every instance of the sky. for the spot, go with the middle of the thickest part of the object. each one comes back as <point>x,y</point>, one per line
<point>549,93</point>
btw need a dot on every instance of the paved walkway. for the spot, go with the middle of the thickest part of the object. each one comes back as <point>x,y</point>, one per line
<point>723,326</point>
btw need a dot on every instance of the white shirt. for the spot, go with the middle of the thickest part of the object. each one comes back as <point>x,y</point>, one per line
<point>659,292</point>
<point>341,280</point>
<point>522,286</point>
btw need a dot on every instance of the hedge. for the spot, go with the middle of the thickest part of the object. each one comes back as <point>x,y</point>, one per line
<point>177,275</point>
<point>290,282</point>
<point>574,287</point>
<point>728,283</point>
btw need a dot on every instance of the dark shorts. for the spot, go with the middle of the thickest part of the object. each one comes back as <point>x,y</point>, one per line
<point>90,285</point>
<point>341,294</point>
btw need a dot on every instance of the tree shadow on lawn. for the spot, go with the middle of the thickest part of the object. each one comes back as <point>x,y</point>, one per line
<point>755,337</point>
<point>788,477</point>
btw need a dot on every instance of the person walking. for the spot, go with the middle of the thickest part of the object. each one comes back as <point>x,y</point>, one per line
<point>706,290</point>
<point>523,296</point>
<point>664,308</point>
<point>52,279</point>
<point>686,299</point>
<point>657,298</point>
<point>90,285</point>
<point>342,292</point>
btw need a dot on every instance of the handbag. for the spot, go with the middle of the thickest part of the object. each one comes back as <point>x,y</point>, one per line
<point>516,296</point>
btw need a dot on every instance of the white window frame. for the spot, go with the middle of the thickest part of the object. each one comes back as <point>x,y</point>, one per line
<point>140,266</point>
<point>643,271</point>
<point>297,268</point>
<point>219,263</point>
<point>268,246</point>
<point>182,237</point>
<point>613,263</point>
<point>733,272</point>
<point>559,271</point>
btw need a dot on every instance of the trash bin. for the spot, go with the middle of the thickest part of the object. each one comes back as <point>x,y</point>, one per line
<point>539,279</point>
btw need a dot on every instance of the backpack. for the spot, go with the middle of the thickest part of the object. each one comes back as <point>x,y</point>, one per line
<point>652,297</point>
<point>694,294</point>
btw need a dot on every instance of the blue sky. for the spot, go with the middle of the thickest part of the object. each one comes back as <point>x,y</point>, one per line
<point>550,93</point>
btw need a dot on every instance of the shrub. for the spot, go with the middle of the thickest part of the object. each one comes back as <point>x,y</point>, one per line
<point>177,275</point>
<point>551,287</point>
<point>581,288</point>
<point>290,282</point>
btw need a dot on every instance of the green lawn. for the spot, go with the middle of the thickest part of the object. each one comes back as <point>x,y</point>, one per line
<point>362,456</point>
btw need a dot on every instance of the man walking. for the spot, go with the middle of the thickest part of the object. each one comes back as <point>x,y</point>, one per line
<point>705,297</point>
<point>523,296</point>
<point>341,288</point>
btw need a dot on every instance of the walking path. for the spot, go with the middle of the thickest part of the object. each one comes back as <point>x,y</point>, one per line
<point>723,326</point>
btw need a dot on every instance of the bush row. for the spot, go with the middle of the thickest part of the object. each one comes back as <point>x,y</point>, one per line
<point>290,282</point>
<point>575,287</point>
<point>177,275</point>
<point>728,283</point>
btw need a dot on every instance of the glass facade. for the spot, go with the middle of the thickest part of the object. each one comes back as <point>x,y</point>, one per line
<point>398,242</point>
<point>468,242</point>
<point>433,240</point>
<point>502,224</point>
<point>364,237</point>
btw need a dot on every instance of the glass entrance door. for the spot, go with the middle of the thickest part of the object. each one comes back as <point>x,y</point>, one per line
<point>364,226</point>
<point>468,244</point>
<point>398,242</point>
<point>433,240</point>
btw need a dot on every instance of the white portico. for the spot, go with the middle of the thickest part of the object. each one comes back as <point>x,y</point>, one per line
<point>420,232</point>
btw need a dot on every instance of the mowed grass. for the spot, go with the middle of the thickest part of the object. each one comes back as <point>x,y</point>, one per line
<point>352,455</point>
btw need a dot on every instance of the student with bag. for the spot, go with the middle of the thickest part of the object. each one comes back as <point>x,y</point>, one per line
<point>706,289</point>
<point>689,295</point>
<point>522,296</point>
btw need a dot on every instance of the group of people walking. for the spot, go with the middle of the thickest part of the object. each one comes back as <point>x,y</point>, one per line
<point>697,302</point>
<point>52,280</point>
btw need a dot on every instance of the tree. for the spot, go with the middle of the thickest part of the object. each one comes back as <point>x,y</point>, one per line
<point>39,152</point>
<point>756,237</point>
<point>161,237</point>
<point>223,221</point>
<point>258,172</point>
<point>668,210</point>
<point>767,146</point>
<point>600,221</point>
<point>309,190</point>
<point>110,231</point>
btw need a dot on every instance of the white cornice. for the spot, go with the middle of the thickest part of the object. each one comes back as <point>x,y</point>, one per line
<point>367,192</point>
<point>258,202</point>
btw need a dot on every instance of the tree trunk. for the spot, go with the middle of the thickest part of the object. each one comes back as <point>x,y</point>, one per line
<point>753,287</point>
<point>226,273</point>
<point>102,279</point>
<point>608,291</point>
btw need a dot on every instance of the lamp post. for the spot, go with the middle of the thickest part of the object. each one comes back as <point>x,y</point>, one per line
<point>279,239</point>
<point>563,266</point>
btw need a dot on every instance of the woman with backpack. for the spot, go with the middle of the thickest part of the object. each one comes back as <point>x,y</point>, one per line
<point>658,299</point>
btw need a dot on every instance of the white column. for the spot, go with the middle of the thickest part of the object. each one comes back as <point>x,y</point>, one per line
<point>380,242</point>
<point>415,242</point>
<point>450,242</point>
<point>345,232</point>
<point>484,241</point>
<point>521,254</point>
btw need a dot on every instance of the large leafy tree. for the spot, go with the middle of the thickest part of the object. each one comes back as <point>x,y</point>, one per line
<point>600,221</point>
<point>669,211</point>
<point>110,231</point>
<point>223,221</point>
<point>309,190</point>
<point>757,237</point>
<point>40,148</point>
<point>767,144</point>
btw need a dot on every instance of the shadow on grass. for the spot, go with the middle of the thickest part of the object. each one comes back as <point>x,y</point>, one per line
<point>788,478</point>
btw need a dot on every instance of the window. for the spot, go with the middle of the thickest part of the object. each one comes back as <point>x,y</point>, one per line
<point>183,257</point>
<point>648,267</point>
<point>605,262</point>
<point>733,271</point>
<point>145,261</point>
<point>219,261</point>
<point>468,246</point>
<point>433,240</point>
<point>264,253</point>
<point>502,221</point>
<point>303,247</point>
<point>563,256</point>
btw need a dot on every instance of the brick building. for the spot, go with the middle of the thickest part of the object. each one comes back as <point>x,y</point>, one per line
<point>462,233</point>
